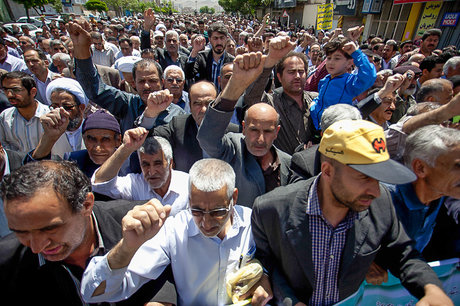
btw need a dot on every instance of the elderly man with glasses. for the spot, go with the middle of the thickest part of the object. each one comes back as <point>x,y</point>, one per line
<point>202,244</point>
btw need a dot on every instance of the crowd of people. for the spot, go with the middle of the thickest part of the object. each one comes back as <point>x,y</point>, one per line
<point>144,160</point>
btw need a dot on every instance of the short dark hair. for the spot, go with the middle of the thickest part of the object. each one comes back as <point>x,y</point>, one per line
<point>130,43</point>
<point>144,63</point>
<point>430,62</point>
<point>64,177</point>
<point>393,44</point>
<point>336,44</point>
<point>302,56</point>
<point>431,32</point>
<point>405,43</point>
<point>218,27</point>
<point>41,54</point>
<point>430,88</point>
<point>26,79</point>
<point>455,80</point>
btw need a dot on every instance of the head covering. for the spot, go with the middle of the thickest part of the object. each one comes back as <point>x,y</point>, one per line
<point>160,26</point>
<point>69,85</point>
<point>158,33</point>
<point>403,69</point>
<point>126,63</point>
<point>361,145</point>
<point>101,120</point>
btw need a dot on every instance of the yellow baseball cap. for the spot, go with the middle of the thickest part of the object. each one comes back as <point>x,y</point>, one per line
<point>361,145</point>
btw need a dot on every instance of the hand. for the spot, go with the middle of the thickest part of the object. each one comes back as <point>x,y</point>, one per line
<point>81,40</point>
<point>247,67</point>
<point>142,223</point>
<point>134,138</point>
<point>266,19</point>
<point>261,292</point>
<point>349,47</point>
<point>391,85</point>
<point>300,304</point>
<point>255,44</point>
<point>241,50</point>
<point>408,78</point>
<point>434,296</point>
<point>336,33</point>
<point>55,122</point>
<point>278,47</point>
<point>157,102</point>
<point>149,19</point>
<point>355,33</point>
<point>198,44</point>
<point>376,275</point>
<point>307,40</point>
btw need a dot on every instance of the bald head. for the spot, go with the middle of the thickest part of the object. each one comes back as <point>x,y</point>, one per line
<point>435,90</point>
<point>260,128</point>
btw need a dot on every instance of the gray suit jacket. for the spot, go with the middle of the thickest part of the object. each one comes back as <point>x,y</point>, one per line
<point>231,148</point>
<point>281,231</point>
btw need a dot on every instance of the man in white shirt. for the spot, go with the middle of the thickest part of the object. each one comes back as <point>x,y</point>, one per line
<point>157,180</point>
<point>9,62</point>
<point>20,127</point>
<point>202,244</point>
<point>101,54</point>
<point>37,63</point>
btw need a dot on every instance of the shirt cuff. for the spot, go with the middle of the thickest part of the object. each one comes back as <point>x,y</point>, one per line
<point>224,105</point>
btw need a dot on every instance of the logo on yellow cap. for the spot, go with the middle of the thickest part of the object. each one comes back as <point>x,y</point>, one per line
<point>379,145</point>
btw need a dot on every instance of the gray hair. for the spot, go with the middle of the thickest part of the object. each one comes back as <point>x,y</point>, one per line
<point>63,57</point>
<point>422,107</point>
<point>452,63</point>
<point>173,67</point>
<point>172,32</point>
<point>337,112</point>
<point>155,144</point>
<point>429,142</point>
<point>55,42</point>
<point>431,88</point>
<point>212,174</point>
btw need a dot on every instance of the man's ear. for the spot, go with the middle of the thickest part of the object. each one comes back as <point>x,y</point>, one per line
<point>420,168</point>
<point>88,204</point>
<point>235,195</point>
<point>327,170</point>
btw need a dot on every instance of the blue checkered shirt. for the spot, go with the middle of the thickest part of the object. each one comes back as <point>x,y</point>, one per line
<point>216,66</point>
<point>327,246</point>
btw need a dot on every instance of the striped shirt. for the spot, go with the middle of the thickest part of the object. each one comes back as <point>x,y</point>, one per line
<point>216,66</point>
<point>327,246</point>
<point>106,57</point>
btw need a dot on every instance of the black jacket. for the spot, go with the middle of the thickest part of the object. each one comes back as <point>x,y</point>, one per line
<point>24,281</point>
<point>201,68</point>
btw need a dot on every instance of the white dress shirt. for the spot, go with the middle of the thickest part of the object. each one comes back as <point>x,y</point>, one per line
<point>200,264</point>
<point>134,187</point>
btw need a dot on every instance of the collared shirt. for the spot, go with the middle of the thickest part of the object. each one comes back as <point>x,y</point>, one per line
<point>18,134</point>
<point>327,246</point>
<point>184,102</point>
<point>13,63</point>
<point>134,53</point>
<point>200,264</point>
<point>75,138</point>
<point>41,87</point>
<point>106,57</point>
<point>134,187</point>
<point>417,218</point>
<point>216,66</point>
<point>272,173</point>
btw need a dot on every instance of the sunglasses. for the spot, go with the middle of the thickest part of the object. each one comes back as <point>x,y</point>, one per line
<point>215,213</point>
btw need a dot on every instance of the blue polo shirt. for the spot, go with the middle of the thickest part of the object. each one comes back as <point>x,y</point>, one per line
<point>418,219</point>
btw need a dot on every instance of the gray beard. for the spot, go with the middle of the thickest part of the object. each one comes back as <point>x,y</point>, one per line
<point>73,124</point>
<point>408,92</point>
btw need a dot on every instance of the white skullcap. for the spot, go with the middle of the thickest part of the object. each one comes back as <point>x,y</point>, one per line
<point>126,63</point>
<point>158,33</point>
<point>160,26</point>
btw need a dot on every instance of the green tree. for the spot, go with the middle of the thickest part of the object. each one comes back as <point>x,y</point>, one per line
<point>57,5</point>
<point>96,5</point>
<point>207,10</point>
<point>245,7</point>
<point>28,4</point>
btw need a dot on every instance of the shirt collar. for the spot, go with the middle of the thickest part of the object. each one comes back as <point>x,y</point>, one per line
<point>410,197</point>
<point>99,247</point>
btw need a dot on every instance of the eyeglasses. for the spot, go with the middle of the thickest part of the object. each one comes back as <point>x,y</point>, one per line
<point>178,80</point>
<point>67,107</point>
<point>14,90</point>
<point>215,213</point>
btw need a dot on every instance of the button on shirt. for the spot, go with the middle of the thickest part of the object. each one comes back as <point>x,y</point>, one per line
<point>200,264</point>
<point>327,246</point>
<point>134,187</point>
<point>18,134</point>
<point>41,87</point>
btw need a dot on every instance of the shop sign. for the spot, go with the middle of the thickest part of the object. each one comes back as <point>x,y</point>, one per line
<point>345,7</point>
<point>372,6</point>
<point>410,1</point>
<point>429,17</point>
<point>324,16</point>
<point>450,19</point>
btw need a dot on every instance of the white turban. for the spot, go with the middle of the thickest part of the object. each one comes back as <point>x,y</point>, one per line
<point>126,63</point>
<point>69,85</point>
